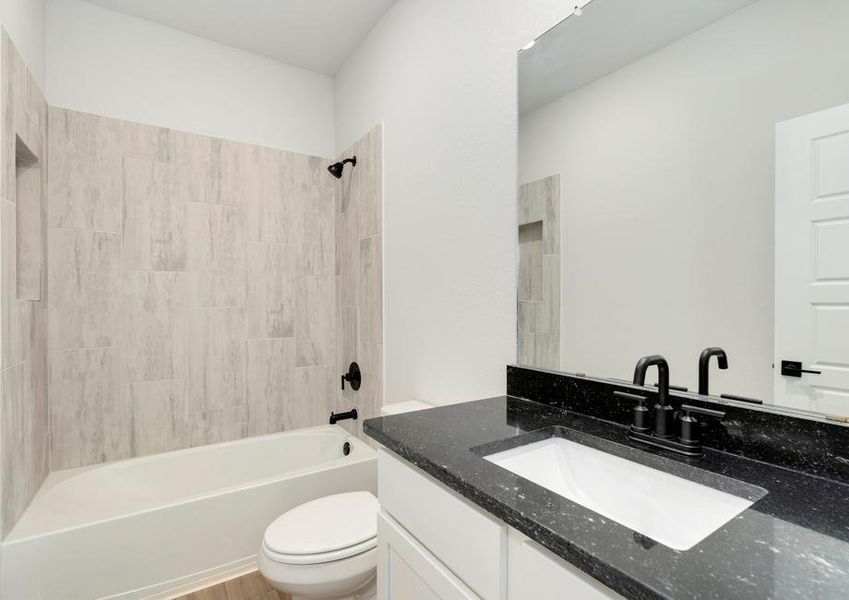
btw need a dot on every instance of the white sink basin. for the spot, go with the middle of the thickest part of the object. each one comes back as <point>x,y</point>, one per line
<point>673,511</point>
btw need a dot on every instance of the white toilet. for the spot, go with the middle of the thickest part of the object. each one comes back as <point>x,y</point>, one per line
<point>327,548</point>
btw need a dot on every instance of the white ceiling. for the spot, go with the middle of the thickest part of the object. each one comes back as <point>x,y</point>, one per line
<point>608,36</point>
<point>317,35</point>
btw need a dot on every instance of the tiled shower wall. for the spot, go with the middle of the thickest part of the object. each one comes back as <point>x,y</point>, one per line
<point>194,288</point>
<point>23,290</point>
<point>359,268</point>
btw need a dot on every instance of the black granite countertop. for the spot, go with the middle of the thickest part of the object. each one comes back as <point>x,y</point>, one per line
<point>793,542</point>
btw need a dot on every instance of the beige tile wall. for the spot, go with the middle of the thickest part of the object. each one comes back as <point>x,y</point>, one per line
<point>23,291</point>
<point>359,279</point>
<point>196,287</point>
<point>539,273</point>
<point>200,290</point>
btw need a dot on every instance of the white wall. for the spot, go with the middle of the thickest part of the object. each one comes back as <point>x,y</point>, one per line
<point>104,62</point>
<point>667,173</point>
<point>24,21</point>
<point>441,75</point>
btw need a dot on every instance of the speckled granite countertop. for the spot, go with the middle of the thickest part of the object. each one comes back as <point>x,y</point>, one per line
<point>792,543</point>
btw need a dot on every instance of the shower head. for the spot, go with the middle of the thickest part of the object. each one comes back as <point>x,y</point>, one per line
<point>336,168</point>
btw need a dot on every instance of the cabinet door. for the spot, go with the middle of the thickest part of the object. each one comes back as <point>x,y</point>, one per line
<point>534,573</point>
<point>407,571</point>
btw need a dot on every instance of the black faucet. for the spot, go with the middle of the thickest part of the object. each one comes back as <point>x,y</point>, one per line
<point>704,365</point>
<point>664,414</point>
<point>660,432</point>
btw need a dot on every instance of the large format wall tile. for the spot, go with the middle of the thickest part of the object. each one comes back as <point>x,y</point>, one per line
<point>315,389</point>
<point>367,182</point>
<point>221,170</point>
<point>370,300</point>
<point>316,232</point>
<point>272,190</point>
<point>270,290</point>
<point>216,359</point>
<point>91,420</point>
<point>270,385</point>
<point>347,247</point>
<point>159,415</point>
<point>85,171</point>
<point>315,327</point>
<point>85,288</point>
<point>10,325</point>
<point>155,325</point>
<point>216,426</point>
<point>154,234</point>
<point>16,435</point>
<point>216,255</point>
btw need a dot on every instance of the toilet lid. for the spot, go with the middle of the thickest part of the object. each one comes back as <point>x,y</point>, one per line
<point>326,525</point>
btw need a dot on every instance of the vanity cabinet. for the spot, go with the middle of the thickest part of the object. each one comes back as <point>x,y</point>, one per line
<point>407,571</point>
<point>434,544</point>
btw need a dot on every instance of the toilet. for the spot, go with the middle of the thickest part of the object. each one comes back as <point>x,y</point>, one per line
<point>326,549</point>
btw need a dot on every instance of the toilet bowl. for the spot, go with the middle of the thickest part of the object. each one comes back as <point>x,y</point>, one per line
<point>324,549</point>
<point>327,548</point>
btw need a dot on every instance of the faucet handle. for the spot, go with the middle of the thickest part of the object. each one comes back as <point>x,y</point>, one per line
<point>689,428</point>
<point>640,420</point>
<point>687,409</point>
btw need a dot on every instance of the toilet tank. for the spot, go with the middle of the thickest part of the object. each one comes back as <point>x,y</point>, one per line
<point>403,407</point>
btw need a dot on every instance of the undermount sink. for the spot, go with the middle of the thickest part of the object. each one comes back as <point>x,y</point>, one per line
<point>669,509</point>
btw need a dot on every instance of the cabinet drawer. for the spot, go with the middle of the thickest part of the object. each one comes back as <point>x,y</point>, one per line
<point>535,573</point>
<point>461,536</point>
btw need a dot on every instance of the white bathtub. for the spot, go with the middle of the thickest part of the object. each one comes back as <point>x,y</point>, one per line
<point>156,526</point>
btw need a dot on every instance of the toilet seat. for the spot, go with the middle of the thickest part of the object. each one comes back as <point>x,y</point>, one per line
<point>320,558</point>
<point>328,529</point>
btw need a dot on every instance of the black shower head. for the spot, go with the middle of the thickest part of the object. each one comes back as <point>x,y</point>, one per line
<point>336,168</point>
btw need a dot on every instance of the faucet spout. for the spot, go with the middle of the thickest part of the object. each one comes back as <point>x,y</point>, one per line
<point>704,364</point>
<point>662,376</point>
<point>664,414</point>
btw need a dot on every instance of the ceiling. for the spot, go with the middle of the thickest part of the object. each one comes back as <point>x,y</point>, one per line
<point>311,34</point>
<point>609,35</point>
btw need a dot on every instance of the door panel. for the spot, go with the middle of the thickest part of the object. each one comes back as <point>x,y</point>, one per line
<point>812,260</point>
<point>406,570</point>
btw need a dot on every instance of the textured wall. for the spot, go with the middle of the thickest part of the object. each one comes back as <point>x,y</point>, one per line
<point>359,283</point>
<point>23,326</point>
<point>195,288</point>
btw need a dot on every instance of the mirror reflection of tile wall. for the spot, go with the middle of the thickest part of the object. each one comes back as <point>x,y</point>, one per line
<point>539,273</point>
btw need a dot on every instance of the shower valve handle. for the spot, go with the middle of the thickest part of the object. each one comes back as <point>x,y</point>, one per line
<point>353,376</point>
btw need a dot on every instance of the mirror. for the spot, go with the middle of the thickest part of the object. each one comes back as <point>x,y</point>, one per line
<point>684,184</point>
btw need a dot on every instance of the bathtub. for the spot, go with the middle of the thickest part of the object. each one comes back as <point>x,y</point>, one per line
<point>161,525</point>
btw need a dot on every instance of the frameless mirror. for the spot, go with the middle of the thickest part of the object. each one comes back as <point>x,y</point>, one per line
<point>684,184</point>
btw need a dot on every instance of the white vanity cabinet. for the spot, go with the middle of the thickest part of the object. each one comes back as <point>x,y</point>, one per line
<point>433,544</point>
<point>407,570</point>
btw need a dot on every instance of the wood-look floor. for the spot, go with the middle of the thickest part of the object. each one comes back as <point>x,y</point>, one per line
<point>248,587</point>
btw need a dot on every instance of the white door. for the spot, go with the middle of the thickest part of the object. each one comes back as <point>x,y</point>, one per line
<point>812,261</point>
